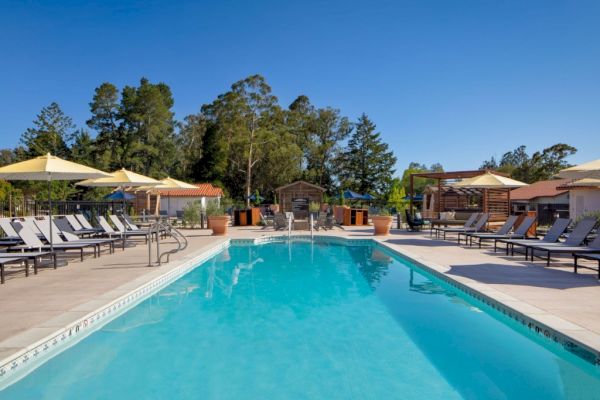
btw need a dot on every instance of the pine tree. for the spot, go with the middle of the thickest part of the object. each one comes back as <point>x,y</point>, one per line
<point>367,164</point>
<point>52,132</point>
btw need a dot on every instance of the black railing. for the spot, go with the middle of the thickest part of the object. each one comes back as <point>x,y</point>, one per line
<point>36,207</point>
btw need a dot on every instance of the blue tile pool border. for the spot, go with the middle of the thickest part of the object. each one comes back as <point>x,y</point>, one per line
<point>19,364</point>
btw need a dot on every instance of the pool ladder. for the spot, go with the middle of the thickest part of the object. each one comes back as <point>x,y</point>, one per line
<point>164,227</point>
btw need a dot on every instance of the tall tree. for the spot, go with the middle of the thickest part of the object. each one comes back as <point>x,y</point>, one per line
<point>83,149</point>
<point>243,119</point>
<point>52,132</point>
<point>105,121</point>
<point>367,164</point>
<point>147,138</point>
<point>419,184</point>
<point>7,156</point>
<point>541,165</point>
<point>327,131</point>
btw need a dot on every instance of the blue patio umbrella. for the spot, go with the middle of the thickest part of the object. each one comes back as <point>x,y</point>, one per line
<point>367,196</point>
<point>119,195</point>
<point>252,197</point>
<point>417,197</point>
<point>350,195</point>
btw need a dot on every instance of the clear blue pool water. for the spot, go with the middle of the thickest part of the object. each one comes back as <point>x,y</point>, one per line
<point>310,321</point>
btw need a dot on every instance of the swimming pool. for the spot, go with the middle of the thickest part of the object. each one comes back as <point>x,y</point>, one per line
<point>310,320</point>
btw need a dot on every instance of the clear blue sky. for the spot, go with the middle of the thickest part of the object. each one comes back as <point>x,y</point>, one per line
<point>453,82</point>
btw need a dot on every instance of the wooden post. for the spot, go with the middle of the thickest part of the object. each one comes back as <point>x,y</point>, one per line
<point>509,206</point>
<point>412,193</point>
<point>439,193</point>
<point>485,200</point>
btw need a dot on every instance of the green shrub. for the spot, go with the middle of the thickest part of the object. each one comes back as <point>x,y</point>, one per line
<point>313,206</point>
<point>213,208</point>
<point>383,212</point>
<point>191,214</point>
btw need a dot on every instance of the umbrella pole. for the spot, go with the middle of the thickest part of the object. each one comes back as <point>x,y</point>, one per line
<point>50,211</point>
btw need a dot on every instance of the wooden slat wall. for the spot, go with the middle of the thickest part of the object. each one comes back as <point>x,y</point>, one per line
<point>498,206</point>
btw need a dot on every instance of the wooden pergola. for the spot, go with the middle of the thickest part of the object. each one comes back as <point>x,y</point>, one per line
<point>494,201</point>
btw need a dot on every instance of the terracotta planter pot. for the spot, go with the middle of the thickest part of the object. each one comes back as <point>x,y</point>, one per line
<point>324,207</point>
<point>382,224</point>
<point>218,224</point>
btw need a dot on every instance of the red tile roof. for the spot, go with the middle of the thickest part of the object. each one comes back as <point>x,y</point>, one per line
<point>539,189</point>
<point>204,190</point>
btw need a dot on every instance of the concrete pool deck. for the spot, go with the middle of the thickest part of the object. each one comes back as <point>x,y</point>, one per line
<point>33,308</point>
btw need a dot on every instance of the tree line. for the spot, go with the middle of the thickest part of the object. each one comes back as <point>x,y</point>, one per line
<point>243,141</point>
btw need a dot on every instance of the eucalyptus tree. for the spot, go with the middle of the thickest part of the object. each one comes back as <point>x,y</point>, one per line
<point>243,117</point>
<point>327,131</point>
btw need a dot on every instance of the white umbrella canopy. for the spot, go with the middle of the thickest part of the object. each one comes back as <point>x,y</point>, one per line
<point>489,180</point>
<point>49,168</point>
<point>586,170</point>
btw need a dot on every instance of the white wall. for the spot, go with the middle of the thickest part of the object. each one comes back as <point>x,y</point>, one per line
<point>175,204</point>
<point>582,201</point>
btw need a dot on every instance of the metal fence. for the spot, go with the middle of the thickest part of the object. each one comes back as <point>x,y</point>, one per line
<point>24,208</point>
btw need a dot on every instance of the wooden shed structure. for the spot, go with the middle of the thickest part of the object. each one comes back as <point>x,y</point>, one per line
<point>296,197</point>
<point>444,197</point>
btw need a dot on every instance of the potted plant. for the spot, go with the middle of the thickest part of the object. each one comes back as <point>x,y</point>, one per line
<point>275,206</point>
<point>382,222</point>
<point>314,208</point>
<point>218,220</point>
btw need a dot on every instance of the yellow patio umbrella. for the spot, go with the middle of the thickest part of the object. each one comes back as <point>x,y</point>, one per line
<point>173,184</point>
<point>489,180</point>
<point>49,168</point>
<point>586,170</point>
<point>122,178</point>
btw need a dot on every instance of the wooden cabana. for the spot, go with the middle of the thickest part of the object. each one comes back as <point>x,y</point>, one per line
<point>446,197</point>
<point>296,197</point>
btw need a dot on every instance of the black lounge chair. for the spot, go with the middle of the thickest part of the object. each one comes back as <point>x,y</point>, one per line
<point>469,223</point>
<point>519,233</point>
<point>572,244</point>
<point>280,222</point>
<point>33,243</point>
<point>9,258</point>
<point>10,237</point>
<point>504,231</point>
<point>593,257</point>
<point>552,236</point>
<point>86,224</point>
<point>477,227</point>
<point>71,237</point>
<point>77,228</point>
<point>414,224</point>
<point>44,227</point>
<point>129,233</point>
